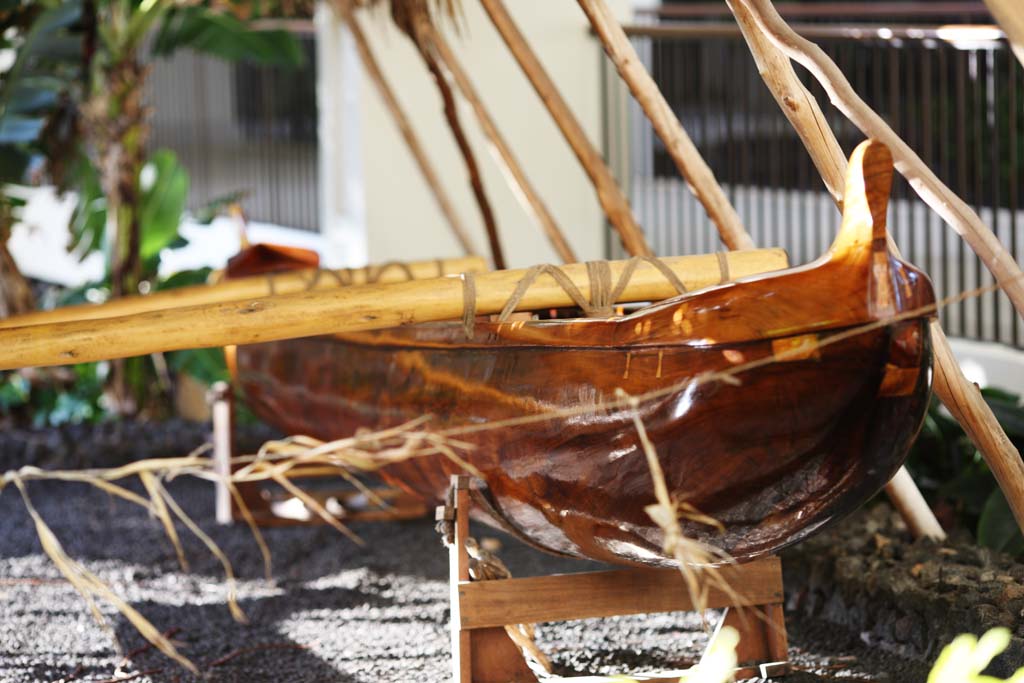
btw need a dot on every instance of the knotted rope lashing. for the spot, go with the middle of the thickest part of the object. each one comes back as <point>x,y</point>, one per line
<point>345,277</point>
<point>603,294</point>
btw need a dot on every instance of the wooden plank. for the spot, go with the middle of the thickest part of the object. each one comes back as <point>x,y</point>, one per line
<point>609,593</point>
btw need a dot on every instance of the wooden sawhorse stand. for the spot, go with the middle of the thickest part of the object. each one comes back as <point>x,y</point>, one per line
<point>482,652</point>
<point>352,505</point>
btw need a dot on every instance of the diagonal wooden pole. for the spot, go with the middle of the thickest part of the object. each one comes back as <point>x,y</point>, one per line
<point>609,194</point>
<point>933,191</point>
<point>1010,16</point>
<point>666,124</point>
<point>521,185</point>
<point>957,393</point>
<point>387,94</point>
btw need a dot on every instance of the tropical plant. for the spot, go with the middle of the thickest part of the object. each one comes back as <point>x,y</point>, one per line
<point>956,480</point>
<point>77,85</point>
<point>964,660</point>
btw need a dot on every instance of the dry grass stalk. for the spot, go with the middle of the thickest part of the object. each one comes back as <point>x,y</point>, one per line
<point>275,462</point>
<point>697,561</point>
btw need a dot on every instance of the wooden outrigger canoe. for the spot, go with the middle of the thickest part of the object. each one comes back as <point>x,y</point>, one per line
<point>808,433</point>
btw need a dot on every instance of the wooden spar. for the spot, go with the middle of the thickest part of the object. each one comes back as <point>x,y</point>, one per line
<point>520,183</point>
<point>1010,18</point>
<point>666,124</point>
<point>912,506</point>
<point>609,194</point>
<point>363,307</point>
<point>290,282</point>
<point>943,201</point>
<point>965,402</point>
<point>372,67</point>
<point>796,103</point>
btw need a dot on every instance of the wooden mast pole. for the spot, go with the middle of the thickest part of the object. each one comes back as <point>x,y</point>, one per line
<point>371,306</point>
<point>522,187</point>
<point>387,94</point>
<point>609,194</point>
<point>687,159</point>
<point>1011,19</point>
<point>956,392</point>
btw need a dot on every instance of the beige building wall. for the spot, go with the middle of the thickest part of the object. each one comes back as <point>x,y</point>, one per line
<point>400,216</point>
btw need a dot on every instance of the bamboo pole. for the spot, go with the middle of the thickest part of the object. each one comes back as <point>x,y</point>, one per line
<point>290,282</point>
<point>684,153</point>
<point>520,184</point>
<point>419,155</point>
<point>912,507</point>
<point>609,194</point>
<point>943,201</point>
<point>957,393</point>
<point>344,309</point>
<point>1010,16</point>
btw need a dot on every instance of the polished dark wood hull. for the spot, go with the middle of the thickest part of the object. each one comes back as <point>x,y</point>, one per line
<point>810,431</point>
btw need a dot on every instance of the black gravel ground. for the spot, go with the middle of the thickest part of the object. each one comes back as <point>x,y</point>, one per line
<point>334,611</point>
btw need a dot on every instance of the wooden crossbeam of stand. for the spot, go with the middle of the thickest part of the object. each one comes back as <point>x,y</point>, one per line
<point>348,505</point>
<point>482,652</point>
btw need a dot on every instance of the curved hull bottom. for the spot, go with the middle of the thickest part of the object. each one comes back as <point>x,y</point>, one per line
<point>796,444</point>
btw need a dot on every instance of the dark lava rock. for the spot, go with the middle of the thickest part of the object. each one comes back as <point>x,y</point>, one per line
<point>908,597</point>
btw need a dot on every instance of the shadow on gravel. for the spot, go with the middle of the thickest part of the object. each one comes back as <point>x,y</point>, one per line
<point>226,651</point>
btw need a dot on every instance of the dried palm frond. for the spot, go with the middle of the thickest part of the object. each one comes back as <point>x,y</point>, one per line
<point>277,461</point>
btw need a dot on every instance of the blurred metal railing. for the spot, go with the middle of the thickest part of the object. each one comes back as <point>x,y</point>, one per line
<point>954,92</point>
<point>240,127</point>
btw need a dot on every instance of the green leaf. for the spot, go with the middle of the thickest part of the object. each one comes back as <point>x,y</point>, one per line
<point>19,129</point>
<point>185,278</point>
<point>88,219</point>
<point>162,203</point>
<point>997,528</point>
<point>224,36</point>
<point>206,365</point>
<point>33,93</point>
<point>13,163</point>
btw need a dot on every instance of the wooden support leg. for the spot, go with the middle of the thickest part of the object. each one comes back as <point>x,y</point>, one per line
<point>222,402</point>
<point>483,655</point>
<point>482,651</point>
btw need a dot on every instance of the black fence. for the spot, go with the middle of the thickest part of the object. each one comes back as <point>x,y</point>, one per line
<point>240,127</point>
<point>955,93</point>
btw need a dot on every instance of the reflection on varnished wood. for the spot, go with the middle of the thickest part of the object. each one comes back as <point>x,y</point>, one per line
<point>797,443</point>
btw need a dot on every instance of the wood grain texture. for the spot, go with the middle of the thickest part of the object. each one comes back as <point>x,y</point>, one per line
<point>802,439</point>
<point>561,597</point>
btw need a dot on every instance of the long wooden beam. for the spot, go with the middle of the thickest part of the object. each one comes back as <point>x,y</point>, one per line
<point>521,185</point>
<point>290,282</point>
<point>419,155</point>
<point>344,309</point>
<point>666,124</point>
<point>609,194</point>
